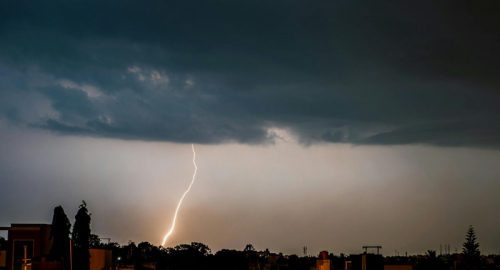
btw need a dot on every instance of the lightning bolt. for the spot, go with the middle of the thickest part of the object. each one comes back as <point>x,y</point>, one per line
<point>182,198</point>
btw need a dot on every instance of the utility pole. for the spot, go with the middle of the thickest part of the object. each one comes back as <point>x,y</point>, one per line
<point>70,255</point>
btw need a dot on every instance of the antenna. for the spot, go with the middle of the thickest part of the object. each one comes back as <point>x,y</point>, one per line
<point>305,251</point>
<point>367,247</point>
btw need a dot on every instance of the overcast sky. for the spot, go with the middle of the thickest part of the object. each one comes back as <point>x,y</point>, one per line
<point>330,124</point>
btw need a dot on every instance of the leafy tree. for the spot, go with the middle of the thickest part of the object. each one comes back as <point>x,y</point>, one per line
<point>114,247</point>
<point>59,231</point>
<point>431,262</point>
<point>201,248</point>
<point>249,248</point>
<point>111,245</point>
<point>189,257</point>
<point>131,250</point>
<point>81,239</point>
<point>3,243</point>
<point>95,241</point>
<point>145,247</point>
<point>471,256</point>
<point>226,259</point>
<point>337,262</point>
<point>146,250</point>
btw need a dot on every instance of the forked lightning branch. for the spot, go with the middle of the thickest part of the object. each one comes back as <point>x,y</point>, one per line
<point>182,198</point>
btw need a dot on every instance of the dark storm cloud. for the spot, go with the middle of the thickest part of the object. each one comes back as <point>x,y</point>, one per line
<point>217,71</point>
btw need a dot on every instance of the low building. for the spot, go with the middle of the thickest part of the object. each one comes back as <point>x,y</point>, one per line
<point>42,264</point>
<point>398,267</point>
<point>263,253</point>
<point>100,259</point>
<point>348,265</point>
<point>33,242</point>
<point>367,261</point>
<point>323,263</point>
<point>35,238</point>
<point>3,259</point>
<point>144,265</point>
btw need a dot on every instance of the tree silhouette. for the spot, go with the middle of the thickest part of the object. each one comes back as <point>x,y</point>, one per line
<point>201,248</point>
<point>59,231</point>
<point>81,239</point>
<point>431,262</point>
<point>248,248</point>
<point>94,241</point>
<point>189,257</point>
<point>471,256</point>
<point>3,243</point>
<point>226,259</point>
<point>431,254</point>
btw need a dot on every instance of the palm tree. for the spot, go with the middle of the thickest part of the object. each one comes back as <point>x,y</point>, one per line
<point>430,254</point>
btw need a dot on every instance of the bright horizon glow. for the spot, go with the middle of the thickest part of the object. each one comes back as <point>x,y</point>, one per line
<point>182,198</point>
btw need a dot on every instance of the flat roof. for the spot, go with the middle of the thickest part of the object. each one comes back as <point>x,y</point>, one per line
<point>24,227</point>
<point>29,224</point>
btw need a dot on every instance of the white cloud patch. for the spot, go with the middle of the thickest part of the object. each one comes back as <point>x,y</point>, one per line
<point>105,119</point>
<point>91,91</point>
<point>154,76</point>
<point>134,69</point>
<point>189,82</point>
<point>157,78</point>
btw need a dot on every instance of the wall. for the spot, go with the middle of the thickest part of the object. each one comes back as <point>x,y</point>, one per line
<point>322,264</point>
<point>44,265</point>
<point>100,259</point>
<point>398,267</point>
<point>3,258</point>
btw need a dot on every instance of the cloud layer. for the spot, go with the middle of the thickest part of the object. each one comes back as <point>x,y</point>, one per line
<point>232,71</point>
